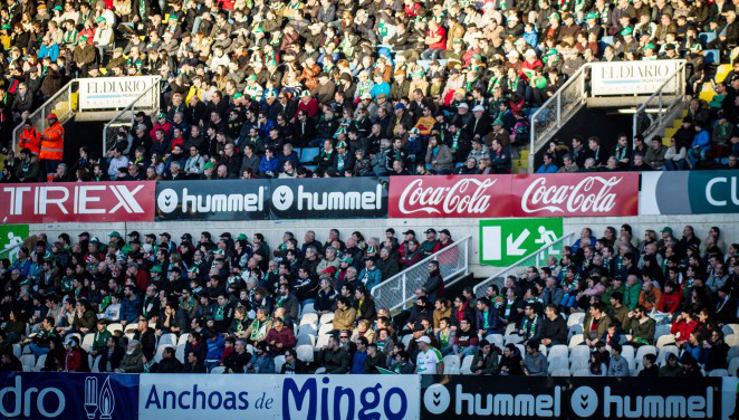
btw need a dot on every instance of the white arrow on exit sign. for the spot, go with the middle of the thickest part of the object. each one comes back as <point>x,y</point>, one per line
<point>513,246</point>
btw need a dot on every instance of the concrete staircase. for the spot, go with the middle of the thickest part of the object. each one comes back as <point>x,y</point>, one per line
<point>706,93</point>
<point>670,130</point>
<point>520,165</point>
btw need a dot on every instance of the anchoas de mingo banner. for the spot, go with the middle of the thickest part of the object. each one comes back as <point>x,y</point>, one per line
<point>262,199</point>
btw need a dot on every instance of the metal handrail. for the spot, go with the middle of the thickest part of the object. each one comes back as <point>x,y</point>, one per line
<point>38,117</point>
<point>130,107</point>
<point>499,277</point>
<point>544,136</point>
<point>8,250</point>
<point>402,279</point>
<point>658,95</point>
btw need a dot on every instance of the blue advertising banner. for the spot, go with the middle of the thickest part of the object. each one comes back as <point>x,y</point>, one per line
<point>185,397</point>
<point>92,396</point>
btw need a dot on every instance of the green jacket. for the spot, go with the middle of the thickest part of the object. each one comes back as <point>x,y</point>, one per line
<point>100,340</point>
<point>606,298</point>
<point>255,331</point>
<point>622,315</point>
<point>489,365</point>
<point>631,295</point>
<point>642,332</point>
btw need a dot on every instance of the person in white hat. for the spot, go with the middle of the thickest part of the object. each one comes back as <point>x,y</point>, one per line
<point>429,359</point>
<point>480,123</point>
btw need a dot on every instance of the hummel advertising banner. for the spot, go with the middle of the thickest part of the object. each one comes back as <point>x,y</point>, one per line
<point>496,196</point>
<point>477,397</point>
<point>54,395</point>
<point>77,202</point>
<point>334,198</point>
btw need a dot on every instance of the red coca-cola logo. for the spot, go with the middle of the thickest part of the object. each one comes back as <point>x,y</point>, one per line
<point>480,196</point>
<point>467,196</point>
<point>592,194</point>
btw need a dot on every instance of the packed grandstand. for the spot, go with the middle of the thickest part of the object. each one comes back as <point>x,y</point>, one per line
<point>613,305</point>
<point>341,88</point>
<point>206,232</point>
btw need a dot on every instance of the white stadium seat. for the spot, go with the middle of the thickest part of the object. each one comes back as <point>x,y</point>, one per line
<point>305,353</point>
<point>279,361</point>
<point>465,369</point>
<point>665,340</point>
<point>326,318</point>
<point>576,340</point>
<point>87,342</point>
<point>167,339</point>
<point>309,318</point>
<point>451,364</point>
<point>575,319</point>
<point>579,357</point>
<point>114,327</point>
<point>733,366</point>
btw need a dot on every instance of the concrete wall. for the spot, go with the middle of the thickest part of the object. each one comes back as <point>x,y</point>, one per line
<point>273,230</point>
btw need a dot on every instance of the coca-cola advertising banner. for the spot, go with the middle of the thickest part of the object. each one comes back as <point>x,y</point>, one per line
<point>496,196</point>
<point>77,202</point>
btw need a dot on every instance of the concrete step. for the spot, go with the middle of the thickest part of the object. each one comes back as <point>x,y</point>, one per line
<point>722,71</point>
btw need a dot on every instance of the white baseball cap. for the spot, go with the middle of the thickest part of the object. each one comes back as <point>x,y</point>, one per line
<point>423,339</point>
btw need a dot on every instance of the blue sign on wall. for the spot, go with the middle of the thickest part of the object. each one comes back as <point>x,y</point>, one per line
<point>92,396</point>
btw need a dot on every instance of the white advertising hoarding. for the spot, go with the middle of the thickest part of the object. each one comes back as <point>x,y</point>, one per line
<point>633,77</point>
<point>116,92</point>
<point>255,396</point>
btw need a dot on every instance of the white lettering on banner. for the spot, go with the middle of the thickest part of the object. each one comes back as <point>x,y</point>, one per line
<point>334,200</point>
<point>579,198</point>
<point>656,406</point>
<point>633,77</point>
<point>84,198</point>
<point>211,203</point>
<point>14,400</point>
<point>46,197</point>
<point>319,397</point>
<point>524,405</point>
<point>723,180</point>
<point>455,199</point>
<point>116,92</point>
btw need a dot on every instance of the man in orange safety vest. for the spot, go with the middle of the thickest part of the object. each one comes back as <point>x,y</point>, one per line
<point>29,138</point>
<point>52,144</point>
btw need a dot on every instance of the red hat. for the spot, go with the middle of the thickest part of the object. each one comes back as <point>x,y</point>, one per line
<point>51,115</point>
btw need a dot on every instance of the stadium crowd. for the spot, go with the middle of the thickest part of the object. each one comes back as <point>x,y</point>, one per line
<point>60,295</point>
<point>371,87</point>
<point>241,306</point>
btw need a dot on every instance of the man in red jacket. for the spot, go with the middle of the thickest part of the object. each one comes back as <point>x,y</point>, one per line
<point>670,301</point>
<point>280,338</point>
<point>682,327</point>
<point>141,277</point>
<point>307,103</point>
